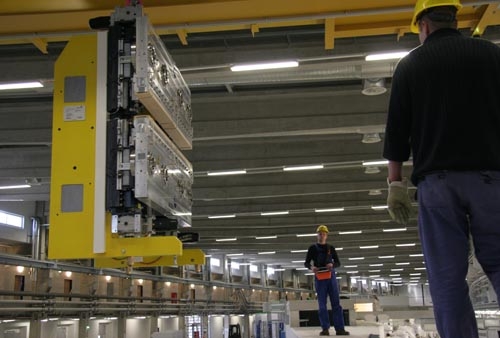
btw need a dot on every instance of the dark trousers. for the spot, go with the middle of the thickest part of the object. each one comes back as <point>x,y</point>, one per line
<point>453,206</point>
<point>328,288</point>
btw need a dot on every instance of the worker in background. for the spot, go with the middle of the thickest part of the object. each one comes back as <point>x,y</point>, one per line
<point>445,109</point>
<point>324,260</point>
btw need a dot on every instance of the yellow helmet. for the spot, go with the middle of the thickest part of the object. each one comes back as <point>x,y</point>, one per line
<point>322,228</point>
<point>423,5</point>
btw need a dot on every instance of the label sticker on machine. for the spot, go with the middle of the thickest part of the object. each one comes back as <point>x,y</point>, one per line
<point>74,113</point>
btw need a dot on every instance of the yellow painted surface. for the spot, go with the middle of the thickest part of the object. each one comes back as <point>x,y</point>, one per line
<point>73,162</point>
<point>73,143</point>
<point>188,257</point>
<point>52,19</point>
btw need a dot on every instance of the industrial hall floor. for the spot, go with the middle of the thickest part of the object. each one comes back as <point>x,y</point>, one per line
<point>356,331</point>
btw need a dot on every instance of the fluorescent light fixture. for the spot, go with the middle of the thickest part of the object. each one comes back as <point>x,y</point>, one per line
<point>19,186</point>
<point>226,239</point>
<point>369,247</point>
<point>405,244</point>
<point>298,251</point>
<point>306,235</point>
<point>21,85</point>
<point>264,66</point>
<point>222,216</point>
<point>266,253</point>
<point>415,274</point>
<point>267,237</point>
<point>356,258</point>
<point>386,56</point>
<point>382,257</point>
<point>379,207</point>
<point>350,266</point>
<point>352,271</point>
<point>373,270</point>
<point>329,210</point>
<point>350,232</point>
<point>396,275</point>
<point>182,213</point>
<point>374,276</point>
<point>404,263</point>
<point>273,213</point>
<point>419,269</point>
<point>301,261</point>
<point>279,269</point>
<point>413,284</point>
<point>378,264</point>
<point>417,255</point>
<point>397,269</point>
<point>226,173</point>
<point>301,269</point>
<point>395,229</point>
<point>236,254</point>
<point>375,163</point>
<point>303,167</point>
<point>309,274</point>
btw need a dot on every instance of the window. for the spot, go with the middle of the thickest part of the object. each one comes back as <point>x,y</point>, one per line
<point>13,220</point>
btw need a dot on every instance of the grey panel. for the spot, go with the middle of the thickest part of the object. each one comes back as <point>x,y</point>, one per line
<point>72,198</point>
<point>74,89</point>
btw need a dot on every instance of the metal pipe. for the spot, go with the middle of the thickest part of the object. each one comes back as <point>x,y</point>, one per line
<point>35,238</point>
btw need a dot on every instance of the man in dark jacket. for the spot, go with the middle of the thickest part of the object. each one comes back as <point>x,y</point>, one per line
<point>445,109</point>
<point>324,260</point>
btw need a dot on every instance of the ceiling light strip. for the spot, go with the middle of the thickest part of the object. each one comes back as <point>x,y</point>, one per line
<point>21,85</point>
<point>226,173</point>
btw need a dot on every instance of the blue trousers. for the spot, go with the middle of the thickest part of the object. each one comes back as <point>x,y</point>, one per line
<point>453,206</point>
<point>328,288</point>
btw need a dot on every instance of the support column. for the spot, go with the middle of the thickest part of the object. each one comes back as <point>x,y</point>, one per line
<point>83,326</point>
<point>204,326</point>
<point>247,333</point>
<point>263,274</point>
<point>226,326</point>
<point>154,327</point>
<point>122,326</point>
<point>35,327</point>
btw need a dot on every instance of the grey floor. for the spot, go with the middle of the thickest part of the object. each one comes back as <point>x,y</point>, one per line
<point>356,331</point>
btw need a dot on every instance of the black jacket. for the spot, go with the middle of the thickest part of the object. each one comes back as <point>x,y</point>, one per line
<point>321,255</point>
<point>445,106</point>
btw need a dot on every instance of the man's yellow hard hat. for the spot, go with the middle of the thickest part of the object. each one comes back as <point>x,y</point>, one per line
<point>423,5</point>
<point>322,228</point>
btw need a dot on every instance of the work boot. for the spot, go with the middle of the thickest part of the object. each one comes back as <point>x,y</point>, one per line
<point>343,333</point>
<point>324,333</point>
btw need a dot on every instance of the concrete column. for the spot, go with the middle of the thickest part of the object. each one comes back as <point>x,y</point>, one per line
<point>229,271</point>
<point>35,327</point>
<point>247,329</point>
<point>226,326</point>
<point>122,326</point>
<point>263,274</point>
<point>154,326</point>
<point>83,326</point>
<point>44,281</point>
<point>207,271</point>
<point>204,326</point>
